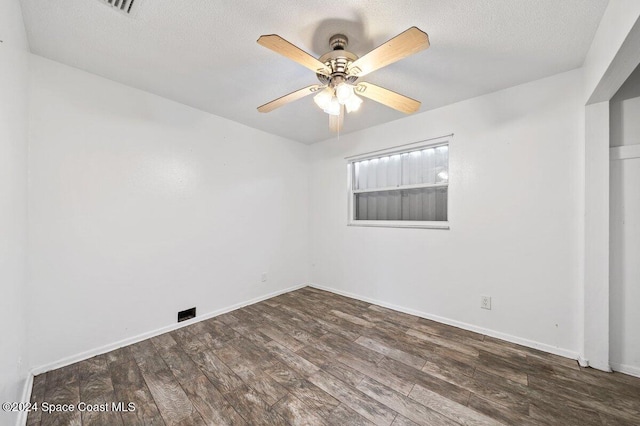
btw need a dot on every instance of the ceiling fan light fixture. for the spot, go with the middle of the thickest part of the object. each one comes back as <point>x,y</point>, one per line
<point>334,107</point>
<point>344,92</point>
<point>323,99</point>
<point>353,103</point>
<point>339,71</point>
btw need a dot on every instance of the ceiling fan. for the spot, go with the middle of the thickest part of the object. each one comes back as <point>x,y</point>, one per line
<point>339,72</point>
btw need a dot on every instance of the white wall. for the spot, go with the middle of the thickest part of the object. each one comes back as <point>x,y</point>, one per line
<point>612,57</point>
<point>13,204</point>
<point>595,350</point>
<point>515,206</point>
<point>625,228</point>
<point>625,113</point>
<point>12,32</point>
<point>601,78</point>
<point>625,126</point>
<point>140,207</point>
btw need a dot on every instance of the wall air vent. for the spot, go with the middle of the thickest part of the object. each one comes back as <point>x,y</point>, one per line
<point>187,314</point>
<point>124,6</point>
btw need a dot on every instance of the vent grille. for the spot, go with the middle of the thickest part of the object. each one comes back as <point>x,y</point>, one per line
<point>123,6</point>
<point>187,314</point>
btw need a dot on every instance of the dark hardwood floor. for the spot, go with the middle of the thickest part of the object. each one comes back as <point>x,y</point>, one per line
<point>311,357</point>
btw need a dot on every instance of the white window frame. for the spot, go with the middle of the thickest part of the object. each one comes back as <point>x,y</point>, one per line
<point>401,149</point>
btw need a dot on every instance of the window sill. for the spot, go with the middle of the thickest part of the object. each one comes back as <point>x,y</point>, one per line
<point>400,224</point>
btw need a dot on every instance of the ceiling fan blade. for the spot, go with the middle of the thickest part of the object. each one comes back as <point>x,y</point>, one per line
<point>293,96</point>
<point>387,97</point>
<point>283,47</point>
<point>405,44</point>
<point>336,121</point>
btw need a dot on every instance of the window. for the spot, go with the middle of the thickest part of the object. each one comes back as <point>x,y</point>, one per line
<point>405,187</point>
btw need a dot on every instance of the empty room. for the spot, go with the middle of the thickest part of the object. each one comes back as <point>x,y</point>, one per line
<point>223,212</point>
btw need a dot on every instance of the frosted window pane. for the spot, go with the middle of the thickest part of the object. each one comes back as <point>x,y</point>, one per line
<point>441,164</point>
<point>428,166</point>
<point>425,204</point>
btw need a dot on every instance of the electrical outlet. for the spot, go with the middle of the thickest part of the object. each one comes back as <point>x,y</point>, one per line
<point>264,277</point>
<point>485,302</point>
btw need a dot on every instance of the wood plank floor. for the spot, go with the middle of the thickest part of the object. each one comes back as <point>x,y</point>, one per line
<point>311,357</point>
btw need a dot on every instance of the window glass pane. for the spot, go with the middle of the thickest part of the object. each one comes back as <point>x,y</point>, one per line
<point>372,173</point>
<point>405,169</point>
<point>393,171</point>
<point>409,168</point>
<point>361,206</point>
<point>424,204</point>
<point>360,174</point>
<point>381,172</point>
<point>426,166</point>
<point>442,164</point>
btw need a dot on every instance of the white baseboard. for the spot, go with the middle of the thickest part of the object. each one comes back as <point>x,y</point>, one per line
<point>583,361</point>
<point>135,339</point>
<point>498,335</point>
<point>26,397</point>
<point>626,369</point>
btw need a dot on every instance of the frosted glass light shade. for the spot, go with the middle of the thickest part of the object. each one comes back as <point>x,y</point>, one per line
<point>334,107</point>
<point>353,103</point>
<point>344,92</point>
<point>323,99</point>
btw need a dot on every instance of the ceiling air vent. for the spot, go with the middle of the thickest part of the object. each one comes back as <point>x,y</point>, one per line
<point>124,6</point>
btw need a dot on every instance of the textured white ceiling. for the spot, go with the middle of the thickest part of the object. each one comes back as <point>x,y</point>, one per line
<point>204,53</point>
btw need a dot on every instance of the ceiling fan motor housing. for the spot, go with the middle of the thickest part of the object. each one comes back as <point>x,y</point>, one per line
<point>338,42</point>
<point>338,60</point>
